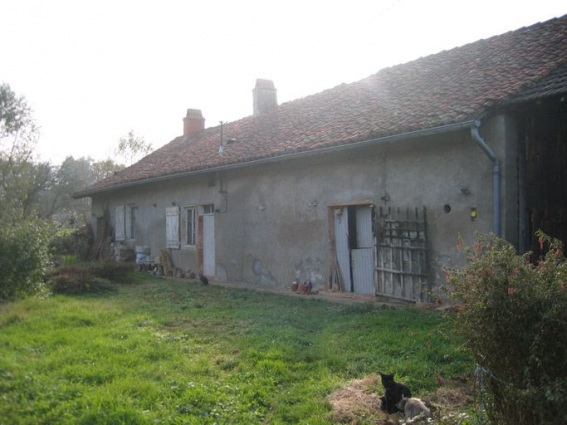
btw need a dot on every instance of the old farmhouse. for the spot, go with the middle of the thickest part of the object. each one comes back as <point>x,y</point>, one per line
<point>365,187</point>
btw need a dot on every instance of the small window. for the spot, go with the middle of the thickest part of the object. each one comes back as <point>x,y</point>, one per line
<point>208,209</point>
<point>190,217</point>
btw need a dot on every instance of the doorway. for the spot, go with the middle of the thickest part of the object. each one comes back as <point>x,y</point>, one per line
<point>209,262</point>
<point>354,248</point>
<point>543,174</point>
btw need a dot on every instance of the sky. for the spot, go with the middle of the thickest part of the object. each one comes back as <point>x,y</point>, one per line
<point>94,70</point>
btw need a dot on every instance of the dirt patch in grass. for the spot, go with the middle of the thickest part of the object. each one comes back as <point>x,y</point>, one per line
<point>359,402</point>
<point>455,396</point>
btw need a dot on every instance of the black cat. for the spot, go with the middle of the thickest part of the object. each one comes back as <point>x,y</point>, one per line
<point>394,392</point>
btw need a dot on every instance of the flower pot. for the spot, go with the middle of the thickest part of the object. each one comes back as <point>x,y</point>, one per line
<point>294,286</point>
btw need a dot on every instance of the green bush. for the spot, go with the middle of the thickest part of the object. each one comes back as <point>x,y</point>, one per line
<point>513,318</point>
<point>73,242</point>
<point>23,258</point>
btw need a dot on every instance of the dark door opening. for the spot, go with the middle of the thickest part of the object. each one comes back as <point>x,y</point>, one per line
<point>543,130</point>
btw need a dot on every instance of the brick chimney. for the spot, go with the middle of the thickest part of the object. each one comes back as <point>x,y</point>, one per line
<point>193,122</point>
<point>265,97</point>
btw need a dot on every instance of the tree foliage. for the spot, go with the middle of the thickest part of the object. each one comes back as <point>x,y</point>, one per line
<point>24,257</point>
<point>39,189</point>
<point>72,176</point>
<point>16,125</point>
<point>24,236</point>
<point>20,179</point>
<point>514,320</point>
<point>35,195</point>
<point>132,148</point>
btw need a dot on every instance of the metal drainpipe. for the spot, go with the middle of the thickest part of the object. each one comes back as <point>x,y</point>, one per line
<point>496,171</point>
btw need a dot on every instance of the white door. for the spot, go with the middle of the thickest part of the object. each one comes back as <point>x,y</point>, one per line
<point>363,271</point>
<point>209,266</point>
<point>363,255</point>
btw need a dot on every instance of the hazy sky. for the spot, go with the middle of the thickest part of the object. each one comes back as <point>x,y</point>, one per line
<point>93,70</point>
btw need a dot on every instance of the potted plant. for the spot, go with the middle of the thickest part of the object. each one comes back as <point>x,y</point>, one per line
<point>294,285</point>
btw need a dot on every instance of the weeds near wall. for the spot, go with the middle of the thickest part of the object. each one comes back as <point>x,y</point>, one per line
<point>514,320</point>
<point>89,278</point>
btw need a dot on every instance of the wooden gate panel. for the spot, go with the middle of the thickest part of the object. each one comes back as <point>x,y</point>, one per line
<point>401,250</point>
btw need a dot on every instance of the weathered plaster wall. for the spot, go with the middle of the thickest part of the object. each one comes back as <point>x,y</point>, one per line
<point>152,200</point>
<point>272,219</point>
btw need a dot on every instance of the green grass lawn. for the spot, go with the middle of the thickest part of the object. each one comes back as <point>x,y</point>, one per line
<point>181,353</point>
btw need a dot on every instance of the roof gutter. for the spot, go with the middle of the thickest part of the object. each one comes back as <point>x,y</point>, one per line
<point>496,174</point>
<point>370,142</point>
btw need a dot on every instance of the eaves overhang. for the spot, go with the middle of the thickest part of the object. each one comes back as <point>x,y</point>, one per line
<point>284,157</point>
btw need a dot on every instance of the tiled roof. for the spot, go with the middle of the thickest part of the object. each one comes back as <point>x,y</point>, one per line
<point>449,87</point>
<point>552,85</point>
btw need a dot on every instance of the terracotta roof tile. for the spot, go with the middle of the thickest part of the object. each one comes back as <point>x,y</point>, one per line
<point>448,87</point>
<point>551,85</point>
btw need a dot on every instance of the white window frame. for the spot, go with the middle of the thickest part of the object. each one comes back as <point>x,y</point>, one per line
<point>208,209</point>
<point>125,222</point>
<point>187,241</point>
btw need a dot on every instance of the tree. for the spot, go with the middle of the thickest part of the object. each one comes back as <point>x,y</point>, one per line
<point>103,169</point>
<point>16,125</point>
<point>24,236</point>
<point>72,176</point>
<point>57,203</point>
<point>20,180</point>
<point>132,148</point>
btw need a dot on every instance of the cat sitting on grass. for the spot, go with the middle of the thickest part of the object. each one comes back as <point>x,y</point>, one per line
<point>393,393</point>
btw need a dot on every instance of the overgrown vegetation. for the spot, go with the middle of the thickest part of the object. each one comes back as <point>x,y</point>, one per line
<point>514,320</point>
<point>23,258</point>
<point>87,278</point>
<point>36,201</point>
<point>179,352</point>
<point>72,242</point>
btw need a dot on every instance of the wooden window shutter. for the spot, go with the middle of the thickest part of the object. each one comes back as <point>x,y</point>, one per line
<point>119,228</point>
<point>172,227</point>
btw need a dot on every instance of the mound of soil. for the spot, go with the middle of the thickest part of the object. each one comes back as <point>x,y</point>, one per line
<point>457,395</point>
<point>359,402</point>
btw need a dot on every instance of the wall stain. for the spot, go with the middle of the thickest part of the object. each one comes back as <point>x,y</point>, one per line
<point>265,277</point>
<point>310,269</point>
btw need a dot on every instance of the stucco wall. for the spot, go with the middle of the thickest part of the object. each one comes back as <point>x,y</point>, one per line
<point>272,219</point>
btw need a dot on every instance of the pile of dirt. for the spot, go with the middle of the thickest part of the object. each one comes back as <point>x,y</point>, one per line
<point>456,395</point>
<point>358,402</point>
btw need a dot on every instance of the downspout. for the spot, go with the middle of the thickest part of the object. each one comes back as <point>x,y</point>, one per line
<point>496,174</point>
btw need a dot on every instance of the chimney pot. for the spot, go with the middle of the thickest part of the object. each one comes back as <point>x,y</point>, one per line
<point>193,122</point>
<point>265,96</point>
